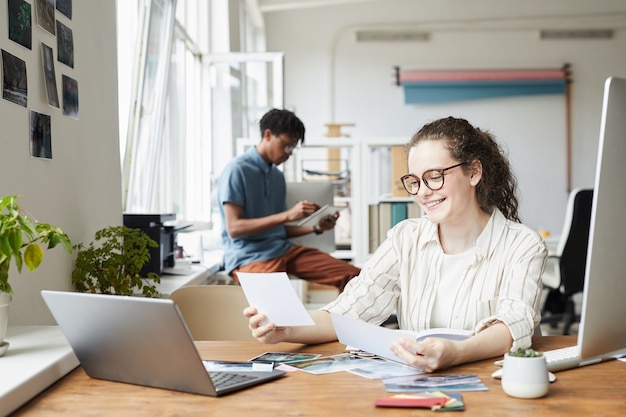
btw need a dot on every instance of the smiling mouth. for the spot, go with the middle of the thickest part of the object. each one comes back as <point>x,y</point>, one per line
<point>434,203</point>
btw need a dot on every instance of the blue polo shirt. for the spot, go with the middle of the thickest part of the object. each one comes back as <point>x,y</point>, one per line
<point>260,188</point>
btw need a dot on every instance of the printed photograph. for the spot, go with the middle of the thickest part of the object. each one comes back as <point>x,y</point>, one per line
<point>65,8</point>
<point>40,135</point>
<point>49,75</point>
<point>328,364</point>
<point>448,382</point>
<point>20,23</point>
<point>70,97</point>
<point>65,45</point>
<point>14,82</point>
<point>284,357</point>
<point>44,10</point>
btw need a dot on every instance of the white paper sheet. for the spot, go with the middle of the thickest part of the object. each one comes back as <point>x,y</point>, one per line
<point>273,294</point>
<point>377,339</point>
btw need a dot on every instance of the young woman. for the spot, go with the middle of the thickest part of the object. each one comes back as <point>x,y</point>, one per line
<point>468,264</point>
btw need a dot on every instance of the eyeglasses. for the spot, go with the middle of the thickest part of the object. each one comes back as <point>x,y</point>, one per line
<point>288,146</point>
<point>433,179</point>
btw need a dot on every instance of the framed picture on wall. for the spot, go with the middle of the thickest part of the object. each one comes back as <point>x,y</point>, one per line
<point>70,97</point>
<point>40,135</point>
<point>65,8</point>
<point>45,15</point>
<point>20,23</point>
<point>49,76</point>
<point>65,44</point>
<point>14,81</point>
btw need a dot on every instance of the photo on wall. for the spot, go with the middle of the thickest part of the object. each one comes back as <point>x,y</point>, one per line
<point>49,75</point>
<point>70,97</point>
<point>65,45</point>
<point>40,135</point>
<point>45,15</point>
<point>65,8</point>
<point>14,82</point>
<point>20,23</point>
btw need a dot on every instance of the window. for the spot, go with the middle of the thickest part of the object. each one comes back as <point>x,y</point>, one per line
<point>183,118</point>
<point>165,157</point>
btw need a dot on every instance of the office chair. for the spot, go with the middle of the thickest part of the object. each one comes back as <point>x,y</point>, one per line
<point>321,193</point>
<point>214,312</point>
<point>568,275</point>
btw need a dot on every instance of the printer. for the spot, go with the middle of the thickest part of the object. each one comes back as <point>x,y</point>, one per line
<point>160,228</point>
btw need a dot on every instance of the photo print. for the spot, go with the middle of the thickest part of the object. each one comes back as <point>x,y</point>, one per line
<point>65,8</point>
<point>65,45</point>
<point>45,15</point>
<point>40,135</point>
<point>70,97</point>
<point>14,82</point>
<point>49,76</point>
<point>20,23</point>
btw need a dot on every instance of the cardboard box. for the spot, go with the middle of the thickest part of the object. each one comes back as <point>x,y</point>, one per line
<point>398,169</point>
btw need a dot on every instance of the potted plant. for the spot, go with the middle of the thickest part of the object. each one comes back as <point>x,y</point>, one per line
<point>21,240</point>
<point>111,264</point>
<point>525,374</point>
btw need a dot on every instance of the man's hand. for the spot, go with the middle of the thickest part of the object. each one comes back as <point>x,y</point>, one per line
<point>328,222</point>
<point>301,210</point>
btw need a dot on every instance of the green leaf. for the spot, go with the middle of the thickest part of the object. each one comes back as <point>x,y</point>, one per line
<point>33,255</point>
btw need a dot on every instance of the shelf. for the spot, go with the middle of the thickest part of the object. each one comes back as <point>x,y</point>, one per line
<point>358,151</point>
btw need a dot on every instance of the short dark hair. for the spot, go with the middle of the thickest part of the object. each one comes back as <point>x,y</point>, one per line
<point>281,121</point>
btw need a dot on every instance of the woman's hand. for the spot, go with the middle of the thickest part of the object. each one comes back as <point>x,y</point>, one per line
<point>263,330</point>
<point>428,355</point>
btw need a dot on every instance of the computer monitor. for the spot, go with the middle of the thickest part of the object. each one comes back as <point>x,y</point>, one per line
<point>318,192</point>
<point>602,327</point>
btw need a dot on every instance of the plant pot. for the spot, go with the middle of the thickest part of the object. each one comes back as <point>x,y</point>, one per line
<point>525,377</point>
<point>5,301</point>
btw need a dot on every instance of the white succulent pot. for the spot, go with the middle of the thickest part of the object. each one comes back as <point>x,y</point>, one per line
<point>5,301</point>
<point>525,377</point>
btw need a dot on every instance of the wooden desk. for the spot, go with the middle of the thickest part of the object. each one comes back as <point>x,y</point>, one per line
<point>593,390</point>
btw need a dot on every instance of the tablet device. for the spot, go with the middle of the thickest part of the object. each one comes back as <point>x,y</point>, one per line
<point>313,219</point>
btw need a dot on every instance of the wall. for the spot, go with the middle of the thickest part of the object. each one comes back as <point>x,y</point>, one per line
<point>79,189</point>
<point>331,77</point>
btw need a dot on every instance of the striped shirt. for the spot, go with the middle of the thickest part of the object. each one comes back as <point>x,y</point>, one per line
<point>500,283</point>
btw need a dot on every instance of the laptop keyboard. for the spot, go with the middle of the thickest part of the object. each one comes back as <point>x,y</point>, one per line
<point>223,380</point>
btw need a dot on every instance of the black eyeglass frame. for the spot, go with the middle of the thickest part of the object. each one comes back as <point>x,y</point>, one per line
<point>441,172</point>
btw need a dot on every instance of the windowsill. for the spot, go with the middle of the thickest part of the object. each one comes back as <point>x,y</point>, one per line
<point>38,356</point>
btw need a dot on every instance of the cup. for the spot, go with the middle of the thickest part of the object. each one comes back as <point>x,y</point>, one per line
<point>525,377</point>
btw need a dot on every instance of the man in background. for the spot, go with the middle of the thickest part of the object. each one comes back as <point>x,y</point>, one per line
<point>252,203</point>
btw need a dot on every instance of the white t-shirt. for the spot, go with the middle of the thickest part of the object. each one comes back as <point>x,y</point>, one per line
<point>453,270</point>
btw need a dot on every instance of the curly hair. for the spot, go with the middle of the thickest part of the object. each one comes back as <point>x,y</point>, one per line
<point>498,186</point>
<point>281,121</point>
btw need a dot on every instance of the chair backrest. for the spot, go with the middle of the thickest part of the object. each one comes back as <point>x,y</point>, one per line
<point>214,312</point>
<point>320,193</point>
<point>575,240</point>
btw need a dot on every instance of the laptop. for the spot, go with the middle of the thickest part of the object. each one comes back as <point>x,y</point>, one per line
<point>141,341</point>
<point>602,328</point>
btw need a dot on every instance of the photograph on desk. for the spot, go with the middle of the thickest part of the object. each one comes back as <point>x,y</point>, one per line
<point>284,357</point>
<point>421,383</point>
<point>330,364</point>
<point>379,368</point>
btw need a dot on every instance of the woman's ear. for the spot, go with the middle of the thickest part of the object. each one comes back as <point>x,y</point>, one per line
<point>476,172</point>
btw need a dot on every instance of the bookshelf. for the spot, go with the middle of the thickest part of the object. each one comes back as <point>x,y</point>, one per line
<point>371,190</point>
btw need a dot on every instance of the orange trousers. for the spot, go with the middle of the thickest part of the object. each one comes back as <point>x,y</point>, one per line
<point>306,263</point>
